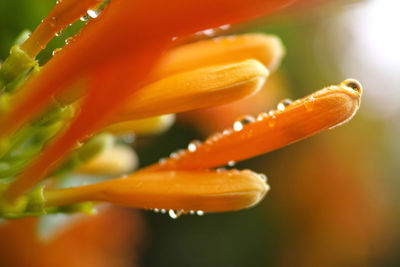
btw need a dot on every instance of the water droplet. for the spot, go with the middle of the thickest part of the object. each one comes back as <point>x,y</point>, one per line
<point>58,34</point>
<point>85,18</point>
<point>192,212</point>
<point>263,177</point>
<point>271,121</point>
<point>209,32</point>
<point>55,51</point>
<point>221,169</point>
<point>156,210</point>
<point>193,145</point>
<point>226,132</point>
<point>200,213</point>
<point>231,163</point>
<point>225,27</point>
<point>53,22</point>
<point>174,155</point>
<point>262,116</point>
<point>238,125</point>
<point>216,136</point>
<point>283,104</point>
<point>69,40</point>
<point>93,13</point>
<point>309,103</point>
<point>163,211</point>
<point>162,161</point>
<point>175,214</point>
<point>354,84</point>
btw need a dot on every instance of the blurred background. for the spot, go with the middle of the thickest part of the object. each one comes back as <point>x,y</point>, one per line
<point>335,197</point>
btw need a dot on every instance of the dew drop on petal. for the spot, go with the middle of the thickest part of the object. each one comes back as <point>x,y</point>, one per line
<point>162,161</point>
<point>85,18</point>
<point>68,40</point>
<point>175,214</point>
<point>263,177</point>
<point>174,155</point>
<point>283,104</point>
<point>262,116</point>
<point>193,145</point>
<point>55,51</point>
<point>163,211</point>
<point>192,212</point>
<point>92,13</point>
<point>231,163</point>
<point>309,103</point>
<point>200,213</point>
<point>53,22</point>
<point>238,125</point>
<point>226,132</point>
<point>156,210</point>
<point>271,121</point>
<point>225,27</point>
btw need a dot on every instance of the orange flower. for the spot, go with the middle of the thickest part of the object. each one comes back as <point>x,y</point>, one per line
<point>118,69</point>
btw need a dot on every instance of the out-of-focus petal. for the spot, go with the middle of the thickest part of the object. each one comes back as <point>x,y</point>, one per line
<point>153,125</point>
<point>208,191</point>
<point>115,160</point>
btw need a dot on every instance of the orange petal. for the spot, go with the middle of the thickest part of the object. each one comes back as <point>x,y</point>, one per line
<point>208,191</point>
<point>200,88</point>
<point>322,110</point>
<point>138,30</point>
<point>63,14</point>
<point>267,49</point>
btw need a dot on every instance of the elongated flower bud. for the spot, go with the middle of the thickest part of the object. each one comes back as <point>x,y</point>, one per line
<point>209,191</point>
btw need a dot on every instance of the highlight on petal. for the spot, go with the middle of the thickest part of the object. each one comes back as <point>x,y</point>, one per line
<point>324,109</point>
<point>208,191</point>
<point>195,89</point>
<point>267,49</point>
<point>148,126</point>
<point>115,160</point>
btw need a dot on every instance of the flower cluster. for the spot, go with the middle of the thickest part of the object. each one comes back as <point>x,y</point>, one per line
<point>127,71</point>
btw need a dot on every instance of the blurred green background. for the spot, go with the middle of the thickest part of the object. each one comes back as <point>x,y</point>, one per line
<point>334,198</point>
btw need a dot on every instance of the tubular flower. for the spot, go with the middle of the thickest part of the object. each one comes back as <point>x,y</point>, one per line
<point>124,73</point>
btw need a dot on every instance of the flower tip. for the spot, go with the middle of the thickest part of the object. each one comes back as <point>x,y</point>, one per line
<point>258,188</point>
<point>271,50</point>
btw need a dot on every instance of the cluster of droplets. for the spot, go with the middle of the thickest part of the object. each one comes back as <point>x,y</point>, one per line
<point>213,31</point>
<point>175,214</point>
<point>238,126</point>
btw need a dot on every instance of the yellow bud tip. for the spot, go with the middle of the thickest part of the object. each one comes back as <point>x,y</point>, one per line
<point>148,126</point>
<point>115,160</point>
